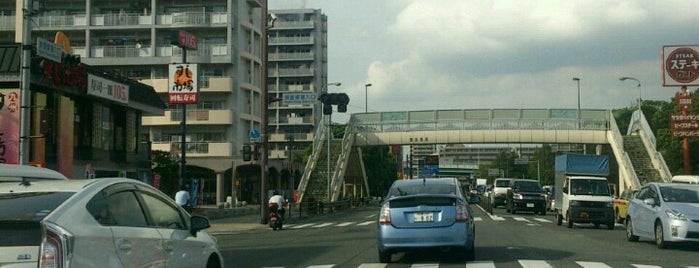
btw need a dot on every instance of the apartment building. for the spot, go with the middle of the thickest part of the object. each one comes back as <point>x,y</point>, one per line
<point>297,74</point>
<point>133,39</point>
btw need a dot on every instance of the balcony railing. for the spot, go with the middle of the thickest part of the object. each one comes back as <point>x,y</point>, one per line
<point>291,40</point>
<point>293,24</point>
<point>60,20</point>
<point>292,72</point>
<point>7,22</point>
<point>291,56</point>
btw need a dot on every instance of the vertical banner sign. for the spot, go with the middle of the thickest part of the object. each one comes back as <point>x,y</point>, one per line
<point>9,126</point>
<point>182,84</point>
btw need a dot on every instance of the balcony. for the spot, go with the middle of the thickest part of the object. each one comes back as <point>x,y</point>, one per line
<point>290,56</point>
<point>291,72</point>
<point>193,18</point>
<point>7,22</point>
<point>298,137</point>
<point>291,40</point>
<point>59,21</point>
<point>293,25</point>
<point>120,19</point>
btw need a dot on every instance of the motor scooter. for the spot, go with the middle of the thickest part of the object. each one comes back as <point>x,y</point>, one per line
<point>275,219</point>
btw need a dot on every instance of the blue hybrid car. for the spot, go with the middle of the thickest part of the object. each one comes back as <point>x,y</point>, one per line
<point>426,213</point>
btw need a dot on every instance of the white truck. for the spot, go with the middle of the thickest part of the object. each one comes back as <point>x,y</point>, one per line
<point>582,191</point>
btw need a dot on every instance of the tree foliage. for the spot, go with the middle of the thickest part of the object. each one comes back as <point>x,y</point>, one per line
<point>380,165</point>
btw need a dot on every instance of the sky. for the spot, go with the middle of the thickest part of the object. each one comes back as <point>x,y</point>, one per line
<point>463,54</point>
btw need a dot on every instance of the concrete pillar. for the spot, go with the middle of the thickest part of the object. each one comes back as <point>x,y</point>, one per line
<point>220,198</point>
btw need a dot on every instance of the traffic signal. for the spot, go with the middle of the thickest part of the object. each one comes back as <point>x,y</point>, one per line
<point>256,153</point>
<point>329,99</point>
<point>247,153</point>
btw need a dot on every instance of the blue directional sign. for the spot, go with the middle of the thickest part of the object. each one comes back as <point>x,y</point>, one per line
<point>254,134</point>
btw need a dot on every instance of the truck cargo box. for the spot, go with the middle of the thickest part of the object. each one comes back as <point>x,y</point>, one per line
<point>582,164</point>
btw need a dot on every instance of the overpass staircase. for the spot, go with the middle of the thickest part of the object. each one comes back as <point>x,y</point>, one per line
<point>641,160</point>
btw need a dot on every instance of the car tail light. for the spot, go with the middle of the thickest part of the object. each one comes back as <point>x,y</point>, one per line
<point>56,247</point>
<point>461,212</point>
<point>385,215</point>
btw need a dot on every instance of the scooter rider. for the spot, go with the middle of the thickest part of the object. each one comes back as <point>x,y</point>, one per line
<point>278,199</point>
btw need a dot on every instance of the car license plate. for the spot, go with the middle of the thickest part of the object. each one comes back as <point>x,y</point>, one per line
<point>423,217</point>
<point>584,215</point>
<point>530,205</point>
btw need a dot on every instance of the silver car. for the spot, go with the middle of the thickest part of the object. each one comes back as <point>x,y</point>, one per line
<point>110,222</point>
<point>664,212</point>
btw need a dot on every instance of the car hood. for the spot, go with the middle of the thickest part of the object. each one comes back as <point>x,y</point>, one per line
<point>691,210</point>
<point>24,256</point>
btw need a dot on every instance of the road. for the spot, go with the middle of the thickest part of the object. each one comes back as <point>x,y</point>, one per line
<point>348,239</point>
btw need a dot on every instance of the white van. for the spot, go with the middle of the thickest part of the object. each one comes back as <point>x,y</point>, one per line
<point>690,179</point>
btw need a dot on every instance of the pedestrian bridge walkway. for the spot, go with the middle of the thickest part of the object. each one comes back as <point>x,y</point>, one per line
<point>572,126</point>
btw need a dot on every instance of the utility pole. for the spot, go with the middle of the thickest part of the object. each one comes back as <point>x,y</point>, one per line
<point>25,104</point>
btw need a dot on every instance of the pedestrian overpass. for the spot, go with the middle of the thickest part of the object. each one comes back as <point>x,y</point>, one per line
<point>340,173</point>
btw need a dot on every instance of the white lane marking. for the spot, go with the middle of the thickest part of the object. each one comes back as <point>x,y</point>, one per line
<point>477,219</point>
<point>534,264</point>
<point>370,216</point>
<point>366,223</point>
<point>645,266</point>
<point>496,218</point>
<point>322,266</point>
<point>345,224</point>
<point>589,264</point>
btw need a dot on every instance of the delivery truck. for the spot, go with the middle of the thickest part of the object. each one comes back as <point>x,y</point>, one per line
<point>581,190</point>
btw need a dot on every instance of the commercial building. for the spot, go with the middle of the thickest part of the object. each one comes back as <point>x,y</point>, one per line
<point>133,39</point>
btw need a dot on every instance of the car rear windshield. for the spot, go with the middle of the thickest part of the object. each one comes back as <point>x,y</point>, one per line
<point>502,183</point>
<point>429,188</point>
<point>424,201</point>
<point>21,214</point>
<point>525,186</point>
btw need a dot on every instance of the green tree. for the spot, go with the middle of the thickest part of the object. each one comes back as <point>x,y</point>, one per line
<point>168,168</point>
<point>380,166</point>
<point>542,163</point>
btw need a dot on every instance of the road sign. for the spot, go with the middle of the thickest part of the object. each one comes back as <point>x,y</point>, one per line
<point>254,134</point>
<point>299,98</point>
<point>680,65</point>
<point>48,50</point>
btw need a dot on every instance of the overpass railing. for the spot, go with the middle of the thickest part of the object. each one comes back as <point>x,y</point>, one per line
<point>553,119</point>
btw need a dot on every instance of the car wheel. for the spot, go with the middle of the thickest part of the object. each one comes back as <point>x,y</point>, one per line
<point>569,219</point>
<point>213,263</point>
<point>559,219</point>
<point>384,256</point>
<point>629,231</point>
<point>659,236</point>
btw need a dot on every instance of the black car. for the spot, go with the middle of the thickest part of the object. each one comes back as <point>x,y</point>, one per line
<point>525,195</point>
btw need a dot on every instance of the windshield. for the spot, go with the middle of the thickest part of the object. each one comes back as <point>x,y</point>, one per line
<point>680,194</point>
<point>589,187</point>
<point>502,183</point>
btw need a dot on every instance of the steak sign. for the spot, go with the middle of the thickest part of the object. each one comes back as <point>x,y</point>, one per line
<point>680,65</point>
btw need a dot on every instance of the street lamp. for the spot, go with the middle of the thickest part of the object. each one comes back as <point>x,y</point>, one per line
<point>624,78</point>
<point>366,98</point>
<point>578,81</point>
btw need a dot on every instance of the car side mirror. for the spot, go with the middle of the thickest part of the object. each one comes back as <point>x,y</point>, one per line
<point>198,223</point>
<point>565,189</point>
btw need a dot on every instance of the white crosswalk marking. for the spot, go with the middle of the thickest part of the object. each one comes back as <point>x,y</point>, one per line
<point>534,264</point>
<point>323,225</point>
<point>645,266</point>
<point>521,219</point>
<point>477,219</point>
<point>425,265</point>
<point>372,265</point>
<point>370,216</point>
<point>366,223</point>
<point>542,220</point>
<point>496,218</point>
<point>303,225</point>
<point>322,266</point>
<point>589,264</point>
<point>345,224</point>
<point>480,264</point>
